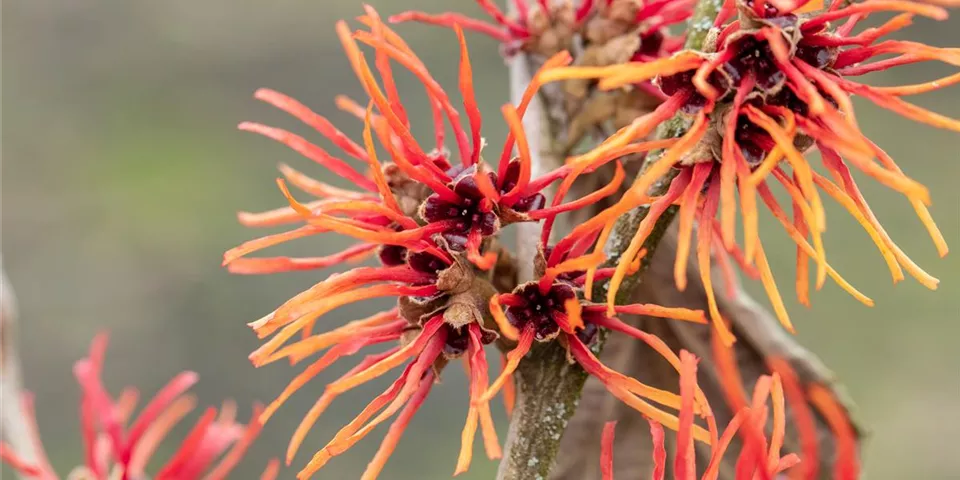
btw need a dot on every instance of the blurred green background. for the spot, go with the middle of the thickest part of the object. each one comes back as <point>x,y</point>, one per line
<point>122,172</point>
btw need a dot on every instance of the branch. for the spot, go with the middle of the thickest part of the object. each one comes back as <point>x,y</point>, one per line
<point>548,385</point>
<point>13,422</point>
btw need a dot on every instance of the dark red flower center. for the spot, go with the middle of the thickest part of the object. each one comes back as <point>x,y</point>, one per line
<point>474,210</point>
<point>528,306</point>
<point>458,340</point>
<point>469,213</point>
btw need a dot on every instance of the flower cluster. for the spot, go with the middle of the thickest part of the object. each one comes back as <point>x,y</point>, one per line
<point>602,32</point>
<point>432,222</point>
<point>119,446</point>
<point>773,83</point>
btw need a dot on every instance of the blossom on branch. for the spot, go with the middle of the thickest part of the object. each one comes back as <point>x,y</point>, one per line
<point>432,221</point>
<point>774,82</point>
<point>554,309</point>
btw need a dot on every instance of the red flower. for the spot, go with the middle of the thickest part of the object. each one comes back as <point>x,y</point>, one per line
<point>552,308</point>
<point>772,85</point>
<point>117,446</point>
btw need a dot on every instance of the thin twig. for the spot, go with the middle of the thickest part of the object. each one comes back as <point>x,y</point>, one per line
<point>14,429</point>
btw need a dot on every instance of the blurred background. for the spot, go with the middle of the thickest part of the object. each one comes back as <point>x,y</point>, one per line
<point>123,170</point>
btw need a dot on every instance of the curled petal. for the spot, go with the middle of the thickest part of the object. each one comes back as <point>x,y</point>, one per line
<point>507,329</point>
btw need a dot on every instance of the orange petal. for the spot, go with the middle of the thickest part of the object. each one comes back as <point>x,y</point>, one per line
<point>688,209</point>
<point>628,389</point>
<point>803,418</point>
<point>376,171</point>
<point>272,470</point>
<point>311,118</point>
<point>316,187</point>
<point>269,241</point>
<point>716,457</point>
<point>390,440</point>
<point>851,207</point>
<point>524,342</point>
<point>503,324</point>
<point>779,423</point>
<point>324,401</point>
<point>770,285</point>
<point>606,450</point>
<point>659,450</point>
<point>429,330</point>
<point>450,20</point>
<point>255,266</point>
<point>685,463</point>
<point>311,151</point>
<point>707,214</point>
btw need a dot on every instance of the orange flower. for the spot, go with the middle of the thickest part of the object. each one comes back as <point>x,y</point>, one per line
<point>776,85</point>
<point>116,445</point>
<point>552,308</point>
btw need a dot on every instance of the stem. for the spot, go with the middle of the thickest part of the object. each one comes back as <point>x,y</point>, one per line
<point>548,385</point>
<point>14,428</point>
<point>545,373</point>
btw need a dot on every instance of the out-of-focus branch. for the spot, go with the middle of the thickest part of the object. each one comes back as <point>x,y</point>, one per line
<point>13,423</point>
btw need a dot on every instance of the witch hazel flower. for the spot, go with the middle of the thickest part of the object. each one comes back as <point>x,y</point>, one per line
<point>761,455</point>
<point>118,445</point>
<point>605,32</point>
<point>430,219</point>
<point>553,308</point>
<point>773,83</point>
<point>544,27</point>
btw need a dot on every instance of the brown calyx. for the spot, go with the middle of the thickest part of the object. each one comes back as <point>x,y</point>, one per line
<point>408,192</point>
<point>551,32</point>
